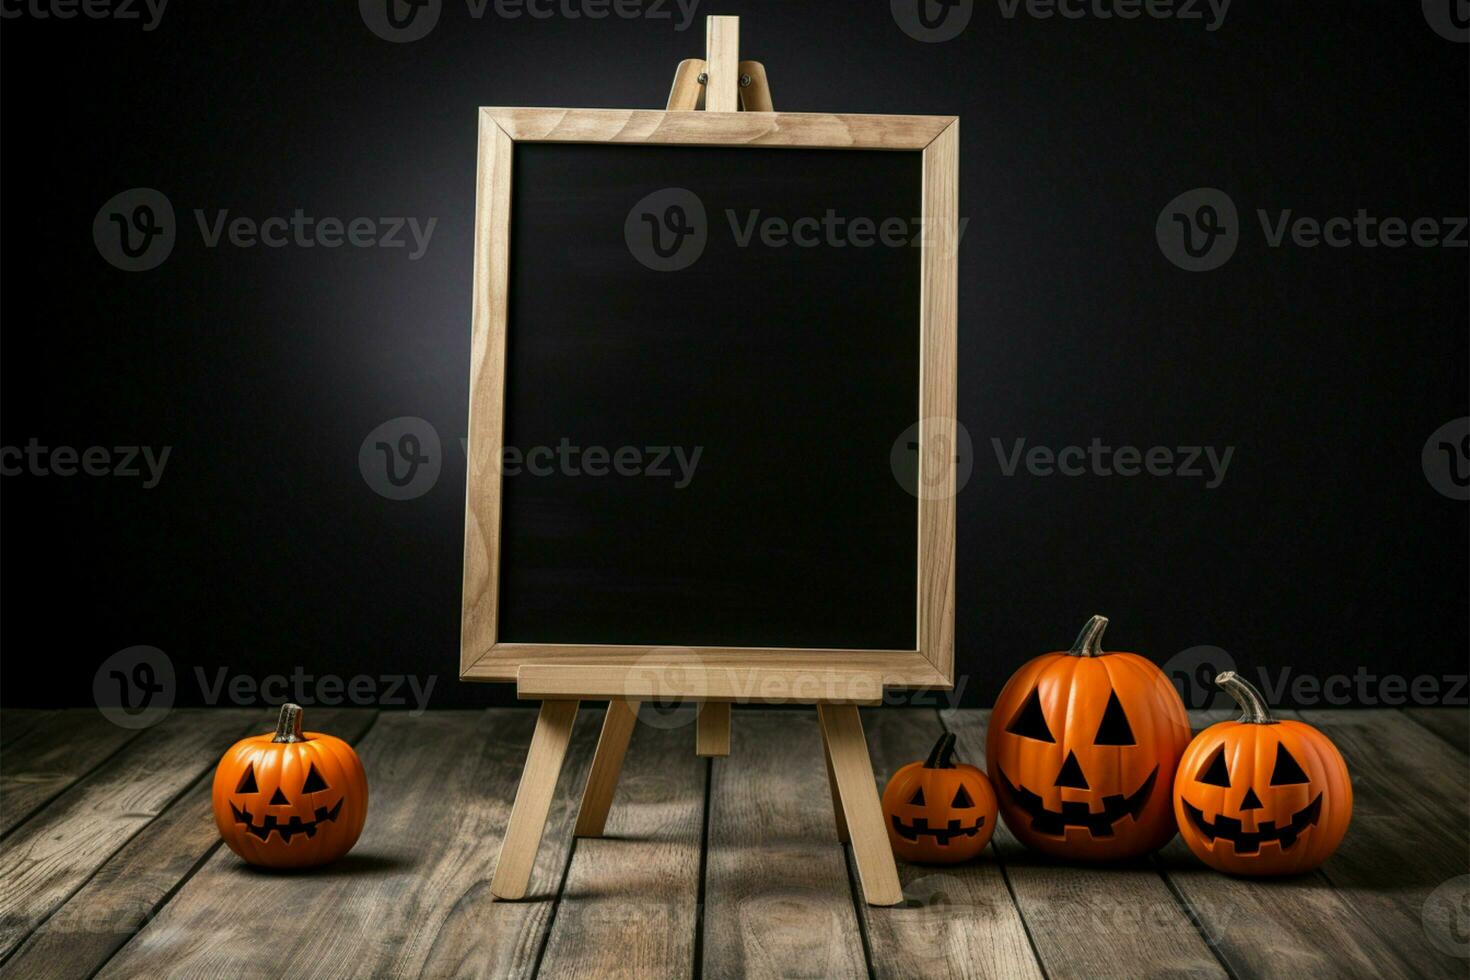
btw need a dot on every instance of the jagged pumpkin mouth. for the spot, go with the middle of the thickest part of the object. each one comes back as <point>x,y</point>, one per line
<point>290,828</point>
<point>1266,832</point>
<point>942,835</point>
<point>1054,823</point>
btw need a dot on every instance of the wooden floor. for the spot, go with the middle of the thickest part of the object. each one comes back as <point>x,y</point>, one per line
<point>110,864</point>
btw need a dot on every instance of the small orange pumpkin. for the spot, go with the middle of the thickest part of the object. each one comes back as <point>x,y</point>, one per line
<point>939,811</point>
<point>288,799</point>
<point>1261,796</point>
<point>1082,746</point>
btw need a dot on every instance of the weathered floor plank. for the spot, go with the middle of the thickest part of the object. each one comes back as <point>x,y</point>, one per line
<point>412,898</point>
<point>778,900</point>
<point>1288,928</point>
<point>630,905</point>
<point>1093,920</point>
<point>51,855</point>
<point>1408,833</point>
<point>53,754</point>
<point>957,920</point>
<point>129,889</point>
<point>1450,724</point>
<point>15,722</point>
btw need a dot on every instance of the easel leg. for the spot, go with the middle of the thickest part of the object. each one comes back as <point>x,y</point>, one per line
<point>853,772</point>
<point>842,836</point>
<point>533,799</point>
<point>607,763</point>
<point>712,729</point>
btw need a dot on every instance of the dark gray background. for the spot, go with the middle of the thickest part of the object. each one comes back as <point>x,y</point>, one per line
<point>264,549</point>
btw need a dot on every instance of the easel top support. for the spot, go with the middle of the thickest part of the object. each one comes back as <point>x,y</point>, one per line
<point>721,82</point>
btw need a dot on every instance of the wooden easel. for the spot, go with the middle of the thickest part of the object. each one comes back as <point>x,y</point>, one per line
<point>721,83</point>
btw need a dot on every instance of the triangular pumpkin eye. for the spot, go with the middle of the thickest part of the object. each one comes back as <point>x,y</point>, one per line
<point>1215,772</point>
<point>962,800</point>
<point>1030,722</point>
<point>1114,729</point>
<point>314,782</point>
<point>247,781</point>
<point>1287,770</point>
<point>918,797</point>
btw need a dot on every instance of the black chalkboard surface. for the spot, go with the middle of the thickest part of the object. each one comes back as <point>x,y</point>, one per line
<point>704,455</point>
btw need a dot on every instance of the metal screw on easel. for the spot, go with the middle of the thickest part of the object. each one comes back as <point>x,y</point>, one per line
<point>745,81</point>
<point>703,78</point>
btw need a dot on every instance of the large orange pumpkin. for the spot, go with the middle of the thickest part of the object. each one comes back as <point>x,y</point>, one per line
<point>1261,796</point>
<point>1082,748</point>
<point>939,811</point>
<point>288,799</point>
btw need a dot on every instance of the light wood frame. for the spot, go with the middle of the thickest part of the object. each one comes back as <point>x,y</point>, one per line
<point>553,670</point>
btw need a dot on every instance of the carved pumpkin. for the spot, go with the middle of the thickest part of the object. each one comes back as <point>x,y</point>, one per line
<point>1082,747</point>
<point>939,811</point>
<point>288,799</point>
<point>1261,796</point>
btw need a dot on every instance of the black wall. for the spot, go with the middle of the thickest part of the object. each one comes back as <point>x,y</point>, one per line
<point>263,549</point>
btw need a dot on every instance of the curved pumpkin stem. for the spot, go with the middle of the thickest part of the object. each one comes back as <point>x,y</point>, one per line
<point>288,724</point>
<point>1089,641</point>
<point>942,756</point>
<point>1253,708</point>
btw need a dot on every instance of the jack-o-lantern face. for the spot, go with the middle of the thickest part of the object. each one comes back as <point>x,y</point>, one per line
<point>290,799</point>
<point>1261,796</point>
<point>939,811</point>
<point>1082,746</point>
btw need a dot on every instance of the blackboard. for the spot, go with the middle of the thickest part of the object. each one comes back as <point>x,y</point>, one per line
<point>761,389</point>
<point>710,361</point>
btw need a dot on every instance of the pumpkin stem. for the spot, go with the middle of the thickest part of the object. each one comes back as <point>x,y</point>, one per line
<point>1089,641</point>
<point>942,756</point>
<point>288,724</point>
<point>1253,707</point>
